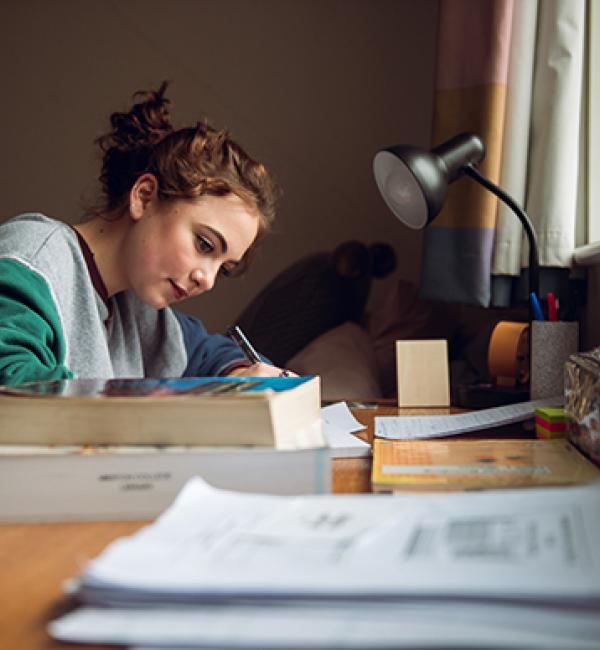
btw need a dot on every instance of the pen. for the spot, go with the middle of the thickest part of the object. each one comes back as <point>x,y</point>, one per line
<point>535,305</point>
<point>552,314</point>
<point>246,347</point>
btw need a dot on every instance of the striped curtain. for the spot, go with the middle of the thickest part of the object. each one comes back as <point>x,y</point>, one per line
<point>543,143</point>
<point>510,71</point>
<point>471,89</point>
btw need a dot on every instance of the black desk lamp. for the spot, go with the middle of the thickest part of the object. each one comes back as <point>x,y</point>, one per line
<point>414,184</point>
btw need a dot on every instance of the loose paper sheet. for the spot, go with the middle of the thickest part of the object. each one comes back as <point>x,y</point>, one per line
<point>338,426</point>
<point>341,416</point>
<point>435,426</point>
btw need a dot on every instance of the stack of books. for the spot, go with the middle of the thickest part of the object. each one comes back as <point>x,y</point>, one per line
<point>123,448</point>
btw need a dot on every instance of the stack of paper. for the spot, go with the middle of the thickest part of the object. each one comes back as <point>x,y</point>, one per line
<point>508,569</point>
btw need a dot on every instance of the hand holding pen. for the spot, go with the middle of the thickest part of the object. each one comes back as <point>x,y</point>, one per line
<point>258,367</point>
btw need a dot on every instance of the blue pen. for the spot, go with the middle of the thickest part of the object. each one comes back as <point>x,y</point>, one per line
<point>535,304</point>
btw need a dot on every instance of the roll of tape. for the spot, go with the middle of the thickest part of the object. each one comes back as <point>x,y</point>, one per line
<point>508,353</point>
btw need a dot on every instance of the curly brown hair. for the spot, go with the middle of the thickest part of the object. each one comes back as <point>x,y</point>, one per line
<point>187,163</point>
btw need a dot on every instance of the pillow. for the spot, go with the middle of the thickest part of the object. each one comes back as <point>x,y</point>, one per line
<point>345,360</point>
<point>398,315</point>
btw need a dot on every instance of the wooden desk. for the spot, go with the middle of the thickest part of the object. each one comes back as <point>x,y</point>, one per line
<point>35,559</point>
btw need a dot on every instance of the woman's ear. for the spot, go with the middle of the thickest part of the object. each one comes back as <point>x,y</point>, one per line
<point>142,193</point>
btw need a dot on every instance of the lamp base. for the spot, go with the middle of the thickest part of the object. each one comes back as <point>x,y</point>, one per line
<point>486,395</point>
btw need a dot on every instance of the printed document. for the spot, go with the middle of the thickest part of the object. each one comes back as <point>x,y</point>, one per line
<point>516,569</point>
<point>529,544</point>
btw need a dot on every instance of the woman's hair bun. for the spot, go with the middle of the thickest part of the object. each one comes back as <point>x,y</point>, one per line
<point>144,125</point>
<point>128,146</point>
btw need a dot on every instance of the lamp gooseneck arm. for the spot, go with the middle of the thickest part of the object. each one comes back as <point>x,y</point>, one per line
<point>534,267</point>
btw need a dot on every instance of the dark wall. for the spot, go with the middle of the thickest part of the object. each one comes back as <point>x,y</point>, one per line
<point>312,88</point>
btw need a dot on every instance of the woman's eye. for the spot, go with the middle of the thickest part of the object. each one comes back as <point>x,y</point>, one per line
<point>228,270</point>
<point>203,245</point>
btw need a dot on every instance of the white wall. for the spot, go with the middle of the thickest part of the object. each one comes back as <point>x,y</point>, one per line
<point>312,88</point>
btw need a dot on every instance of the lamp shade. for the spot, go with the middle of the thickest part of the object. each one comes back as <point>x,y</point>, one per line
<point>414,182</point>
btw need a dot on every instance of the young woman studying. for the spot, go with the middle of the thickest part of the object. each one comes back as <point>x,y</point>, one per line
<point>180,208</point>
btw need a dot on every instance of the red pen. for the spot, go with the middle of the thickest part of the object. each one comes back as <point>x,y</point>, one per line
<point>552,315</point>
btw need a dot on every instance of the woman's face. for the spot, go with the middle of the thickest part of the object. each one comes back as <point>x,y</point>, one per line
<point>175,249</point>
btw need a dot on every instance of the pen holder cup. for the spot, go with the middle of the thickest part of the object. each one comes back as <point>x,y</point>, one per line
<point>552,342</point>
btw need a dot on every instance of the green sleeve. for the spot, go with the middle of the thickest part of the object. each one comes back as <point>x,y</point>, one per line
<point>32,345</point>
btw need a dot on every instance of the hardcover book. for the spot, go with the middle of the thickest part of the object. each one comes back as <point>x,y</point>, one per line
<point>279,412</point>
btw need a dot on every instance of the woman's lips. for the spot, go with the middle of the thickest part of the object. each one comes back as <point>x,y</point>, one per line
<point>178,291</point>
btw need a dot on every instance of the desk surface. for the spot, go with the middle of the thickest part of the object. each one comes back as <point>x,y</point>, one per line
<point>36,559</point>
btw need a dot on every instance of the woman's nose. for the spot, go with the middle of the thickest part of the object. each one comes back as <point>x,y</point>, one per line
<point>204,279</point>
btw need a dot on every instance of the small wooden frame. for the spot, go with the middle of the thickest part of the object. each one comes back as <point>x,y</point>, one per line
<point>422,373</point>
